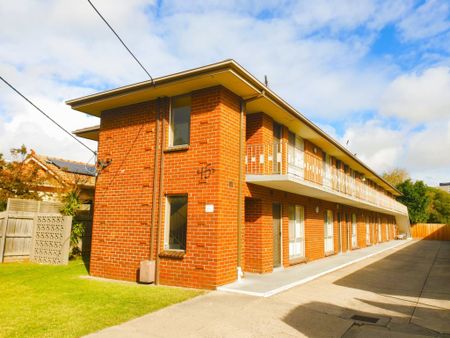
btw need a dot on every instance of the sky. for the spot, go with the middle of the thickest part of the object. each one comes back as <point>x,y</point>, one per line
<point>375,73</point>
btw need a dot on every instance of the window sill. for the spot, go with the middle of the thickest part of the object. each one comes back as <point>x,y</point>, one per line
<point>295,261</point>
<point>174,254</point>
<point>183,147</point>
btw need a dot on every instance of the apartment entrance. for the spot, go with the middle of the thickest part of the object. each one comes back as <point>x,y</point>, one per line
<point>276,214</point>
<point>339,220</point>
<point>328,232</point>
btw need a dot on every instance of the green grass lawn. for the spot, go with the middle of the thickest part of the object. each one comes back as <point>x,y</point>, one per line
<point>53,301</point>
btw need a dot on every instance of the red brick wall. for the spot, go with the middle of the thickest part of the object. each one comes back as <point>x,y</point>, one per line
<point>123,200</point>
<point>259,236</point>
<point>121,230</point>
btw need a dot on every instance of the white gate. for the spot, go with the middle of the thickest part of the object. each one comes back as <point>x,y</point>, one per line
<point>328,227</point>
<point>296,232</point>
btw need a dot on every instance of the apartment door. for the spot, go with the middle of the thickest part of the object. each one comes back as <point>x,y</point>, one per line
<point>328,232</point>
<point>276,214</point>
<point>347,227</point>
<point>354,232</point>
<point>295,155</point>
<point>276,158</point>
<point>367,231</point>
<point>379,231</point>
<point>296,232</point>
<point>340,231</point>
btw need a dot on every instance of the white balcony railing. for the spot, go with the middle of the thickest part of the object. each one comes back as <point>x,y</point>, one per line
<point>277,159</point>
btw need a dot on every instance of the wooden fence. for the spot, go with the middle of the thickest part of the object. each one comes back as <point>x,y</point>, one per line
<point>439,232</point>
<point>40,237</point>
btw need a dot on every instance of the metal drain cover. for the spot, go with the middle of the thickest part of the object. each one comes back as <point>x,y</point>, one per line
<point>366,319</point>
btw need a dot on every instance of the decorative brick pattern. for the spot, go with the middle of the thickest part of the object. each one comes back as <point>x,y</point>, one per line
<point>51,239</point>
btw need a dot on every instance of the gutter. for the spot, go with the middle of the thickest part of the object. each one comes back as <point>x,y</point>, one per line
<point>243,75</point>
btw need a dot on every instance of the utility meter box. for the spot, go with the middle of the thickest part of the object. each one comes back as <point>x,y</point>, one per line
<point>147,272</point>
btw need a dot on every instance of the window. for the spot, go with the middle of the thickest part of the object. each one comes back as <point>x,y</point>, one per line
<point>180,120</point>
<point>176,223</point>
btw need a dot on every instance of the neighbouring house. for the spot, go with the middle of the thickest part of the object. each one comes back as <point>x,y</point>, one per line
<point>208,173</point>
<point>444,186</point>
<point>60,175</point>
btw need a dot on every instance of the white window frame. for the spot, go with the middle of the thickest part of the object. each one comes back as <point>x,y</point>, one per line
<point>167,223</point>
<point>171,145</point>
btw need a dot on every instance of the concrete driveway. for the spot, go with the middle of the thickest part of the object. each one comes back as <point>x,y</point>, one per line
<point>403,292</point>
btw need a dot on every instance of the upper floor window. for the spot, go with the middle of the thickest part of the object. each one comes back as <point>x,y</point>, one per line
<point>180,121</point>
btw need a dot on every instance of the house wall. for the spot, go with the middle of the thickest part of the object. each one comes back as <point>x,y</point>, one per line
<point>123,200</point>
<point>259,221</point>
<point>208,173</point>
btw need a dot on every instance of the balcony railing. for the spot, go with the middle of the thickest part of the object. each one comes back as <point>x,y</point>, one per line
<point>280,159</point>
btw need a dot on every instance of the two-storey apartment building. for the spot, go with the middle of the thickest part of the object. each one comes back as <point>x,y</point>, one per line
<point>209,174</point>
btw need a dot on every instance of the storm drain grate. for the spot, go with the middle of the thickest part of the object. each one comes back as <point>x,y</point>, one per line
<point>367,319</point>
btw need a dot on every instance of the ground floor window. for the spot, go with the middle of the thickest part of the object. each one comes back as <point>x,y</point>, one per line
<point>296,231</point>
<point>176,223</point>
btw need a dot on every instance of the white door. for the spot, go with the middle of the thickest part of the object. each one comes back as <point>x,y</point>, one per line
<point>354,232</point>
<point>329,243</point>
<point>379,231</point>
<point>327,171</point>
<point>295,155</point>
<point>367,231</point>
<point>296,232</point>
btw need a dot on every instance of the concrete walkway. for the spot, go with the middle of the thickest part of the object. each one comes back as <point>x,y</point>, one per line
<point>266,285</point>
<point>402,292</point>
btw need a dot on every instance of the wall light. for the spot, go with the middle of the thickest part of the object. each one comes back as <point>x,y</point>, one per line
<point>317,209</point>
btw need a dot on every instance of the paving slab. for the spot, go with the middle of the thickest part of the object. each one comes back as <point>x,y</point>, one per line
<point>324,307</point>
<point>266,285</point>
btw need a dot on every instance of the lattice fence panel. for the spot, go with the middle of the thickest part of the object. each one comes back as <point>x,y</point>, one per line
<point>51,239</point>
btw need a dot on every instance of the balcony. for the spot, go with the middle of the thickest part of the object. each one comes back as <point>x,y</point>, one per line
<point>283,167</point>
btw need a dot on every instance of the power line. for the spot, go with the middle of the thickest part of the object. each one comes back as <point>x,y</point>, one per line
<point>118,37</point>
<point>42,112</point>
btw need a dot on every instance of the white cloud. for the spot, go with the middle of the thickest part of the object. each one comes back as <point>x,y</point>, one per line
<point>375,144</point>
<point>423,153</point>
<point>54,50</point>
<point>428,20</point>
<point>419,97</point>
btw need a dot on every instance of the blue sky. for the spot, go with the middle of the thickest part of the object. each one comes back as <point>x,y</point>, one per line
<point>376,73</point>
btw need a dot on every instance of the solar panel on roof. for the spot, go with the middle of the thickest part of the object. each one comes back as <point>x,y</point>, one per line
<point>75,168</point>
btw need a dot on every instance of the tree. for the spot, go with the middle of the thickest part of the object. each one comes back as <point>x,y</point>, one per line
<point>415,197</point>
<point>439,207</point>
<point>17,178</point>
<point>396,176</point>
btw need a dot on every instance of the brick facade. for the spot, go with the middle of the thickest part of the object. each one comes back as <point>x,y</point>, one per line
<point>207,172</point>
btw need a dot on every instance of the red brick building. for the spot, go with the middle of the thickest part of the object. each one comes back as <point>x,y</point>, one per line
<point>212,174</point>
